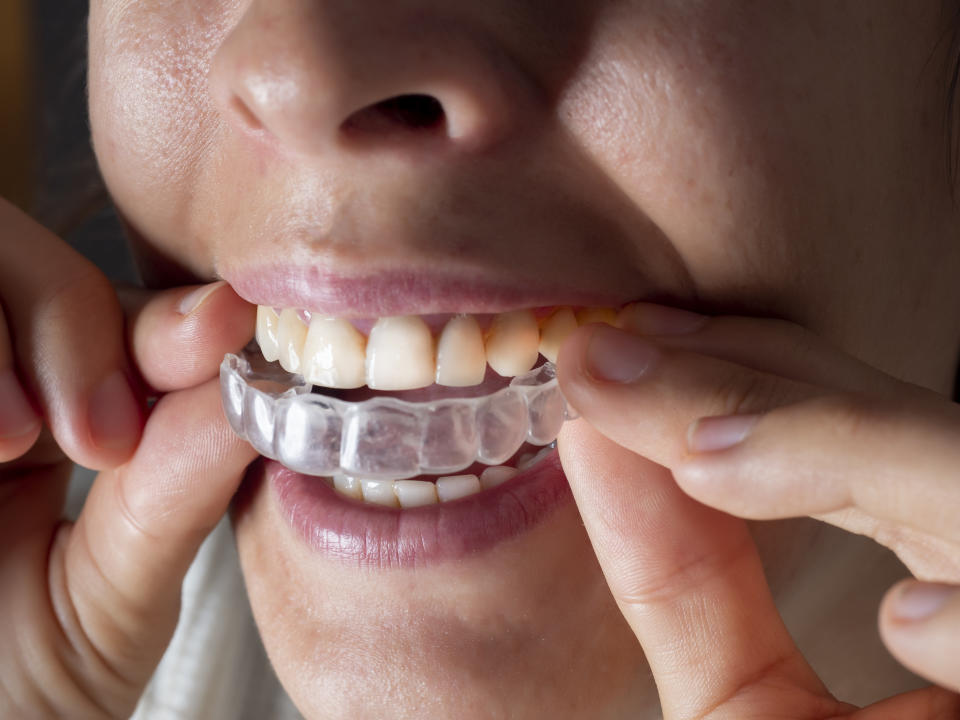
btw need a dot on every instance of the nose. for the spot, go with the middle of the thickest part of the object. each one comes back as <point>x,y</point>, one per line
<point>311,74</point>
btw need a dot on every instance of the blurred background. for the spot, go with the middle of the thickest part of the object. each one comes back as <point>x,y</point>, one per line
<point>46,162</point>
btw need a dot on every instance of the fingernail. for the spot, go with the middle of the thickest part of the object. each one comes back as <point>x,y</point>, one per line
<point>720,433</point>
<point>616,356</point>
<point>17,417</point>
<point>114,414</point>
<point>919,601</point>
<point>650,319</point>
<point>195,298</point>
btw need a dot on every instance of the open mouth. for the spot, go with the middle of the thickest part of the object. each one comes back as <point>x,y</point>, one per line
<point>407,411</point>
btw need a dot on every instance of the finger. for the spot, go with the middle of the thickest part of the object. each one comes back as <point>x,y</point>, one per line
<point>928,703</point>
<point>893,462</point>
<point>178,337</point>
<point>116,583</point>
<point>920,624</point>
<point>19,424</point>
<point>768,345</point>
<point>645,396</point>
<point>689,581</point>
<point>66,330</point>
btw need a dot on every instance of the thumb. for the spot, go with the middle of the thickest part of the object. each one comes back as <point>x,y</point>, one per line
<point>689,582</point>
<point>116,575</point>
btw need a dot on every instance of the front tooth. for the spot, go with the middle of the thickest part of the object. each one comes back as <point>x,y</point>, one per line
<point>333,354</point>
<point>415,493</point>
<point>379,492</point>
<point>290,337</point>
<point>457,486</point>
<point>496,475</point>
<point>597,315</point>
<point>400,354</point>
<point>268,323</point>
<point>349,486</point>
<point>461,359</point>
<point>554,331</point>
<point>513,343</point>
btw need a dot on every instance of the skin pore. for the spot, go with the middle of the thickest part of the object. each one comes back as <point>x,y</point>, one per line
<point>747,157</point>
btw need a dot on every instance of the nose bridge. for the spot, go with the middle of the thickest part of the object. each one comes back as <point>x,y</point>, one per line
<point>306,72</point>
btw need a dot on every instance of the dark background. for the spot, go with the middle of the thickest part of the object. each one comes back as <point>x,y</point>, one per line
<point>70,197</point>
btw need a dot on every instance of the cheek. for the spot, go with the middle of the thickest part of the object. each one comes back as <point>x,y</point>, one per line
<point>673,115</point>
<point>150,114</point>
<point>765,141</point>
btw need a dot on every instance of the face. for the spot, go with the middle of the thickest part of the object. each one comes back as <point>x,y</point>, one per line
<point>780,159</point>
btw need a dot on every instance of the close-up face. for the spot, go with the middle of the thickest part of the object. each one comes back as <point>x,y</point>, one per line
<point>432,158</point>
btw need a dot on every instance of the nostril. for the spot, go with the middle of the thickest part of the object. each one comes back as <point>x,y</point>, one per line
<point>414,111</point>
<point>403,112</point>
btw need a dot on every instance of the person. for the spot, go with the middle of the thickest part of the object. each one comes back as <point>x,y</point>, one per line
<point>764,189</point>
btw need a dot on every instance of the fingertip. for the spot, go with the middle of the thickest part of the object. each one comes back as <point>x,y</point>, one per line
<point>194,298</point>
<point>17,446</point>
<point>180,337</point>
<point>114,418</point>
<point>217,321</point>
<point>604,395</point>
<point>910,602</point>
<point>920,625</point>
<point>615,356</point>
<point>17,416</point>
<point>216,299</point>
<point>598,358</point>
<point>20,425</point>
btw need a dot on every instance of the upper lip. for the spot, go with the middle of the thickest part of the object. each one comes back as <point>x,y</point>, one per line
<point>407,291</point>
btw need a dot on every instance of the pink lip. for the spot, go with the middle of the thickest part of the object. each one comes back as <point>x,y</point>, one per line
<point>380,537</point>
<point>400,292</point>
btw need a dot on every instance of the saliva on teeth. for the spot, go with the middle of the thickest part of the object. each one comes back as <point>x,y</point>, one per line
<point>373,449</point>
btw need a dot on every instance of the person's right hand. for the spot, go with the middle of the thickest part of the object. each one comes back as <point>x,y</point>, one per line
<point>691,423</point>
<point>87,608</point>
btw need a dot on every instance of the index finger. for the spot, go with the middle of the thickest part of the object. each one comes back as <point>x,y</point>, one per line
<point>644,395</point>
<point>178,337</point>
<point>66,331</point>
<point>767,345</point>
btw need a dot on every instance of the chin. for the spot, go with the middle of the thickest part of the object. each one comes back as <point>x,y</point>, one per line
<point>520,626</point>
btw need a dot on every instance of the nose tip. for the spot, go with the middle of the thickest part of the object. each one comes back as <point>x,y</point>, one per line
<point>314,75</point>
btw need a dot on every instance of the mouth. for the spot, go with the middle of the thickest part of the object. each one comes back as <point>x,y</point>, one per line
<point>424,418</point>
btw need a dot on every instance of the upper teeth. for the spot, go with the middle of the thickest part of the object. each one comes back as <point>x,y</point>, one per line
<point>402,354</point>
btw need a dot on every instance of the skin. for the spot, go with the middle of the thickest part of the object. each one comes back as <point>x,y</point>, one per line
<point>736,159</point>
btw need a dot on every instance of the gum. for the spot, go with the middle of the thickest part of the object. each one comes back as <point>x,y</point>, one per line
<point>383,437</point>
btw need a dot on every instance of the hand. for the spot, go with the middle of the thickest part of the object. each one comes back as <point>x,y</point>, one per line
<point>758,419</point>
<point>88,608</point>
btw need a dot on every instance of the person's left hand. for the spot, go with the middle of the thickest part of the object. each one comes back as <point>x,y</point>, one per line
<point>759,419</point>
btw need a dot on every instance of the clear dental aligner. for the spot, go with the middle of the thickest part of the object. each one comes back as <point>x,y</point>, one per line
<point>384,437</point>
<point>269,396</point>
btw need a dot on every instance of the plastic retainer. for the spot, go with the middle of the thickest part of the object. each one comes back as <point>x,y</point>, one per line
<point>383,437</point>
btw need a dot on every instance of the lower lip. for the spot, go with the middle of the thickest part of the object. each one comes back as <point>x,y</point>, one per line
<point>381,537</point>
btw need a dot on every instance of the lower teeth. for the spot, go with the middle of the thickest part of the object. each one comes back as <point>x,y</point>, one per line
<point>417,493</point>
<point>384,439</point>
